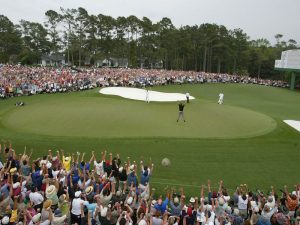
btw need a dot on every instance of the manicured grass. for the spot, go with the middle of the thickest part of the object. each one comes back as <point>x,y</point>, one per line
<point>242,141</point>
<point>86,115</point>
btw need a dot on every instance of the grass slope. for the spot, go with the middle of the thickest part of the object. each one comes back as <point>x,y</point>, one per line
<point>259,161</point>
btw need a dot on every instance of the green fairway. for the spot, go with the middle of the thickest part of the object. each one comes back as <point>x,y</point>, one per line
<point>242,141</point>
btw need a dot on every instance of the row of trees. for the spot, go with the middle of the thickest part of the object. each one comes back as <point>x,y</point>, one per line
<point>81,36</point>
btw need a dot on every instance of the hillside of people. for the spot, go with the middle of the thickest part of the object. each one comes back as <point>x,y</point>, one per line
<point>18,80</point>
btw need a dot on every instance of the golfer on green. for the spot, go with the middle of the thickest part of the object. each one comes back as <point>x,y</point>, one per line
<point>180,113</point>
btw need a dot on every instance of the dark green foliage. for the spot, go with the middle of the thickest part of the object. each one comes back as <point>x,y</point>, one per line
<point>10,40</point>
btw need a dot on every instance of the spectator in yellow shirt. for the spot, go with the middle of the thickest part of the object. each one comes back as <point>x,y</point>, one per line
<point>66,161</point>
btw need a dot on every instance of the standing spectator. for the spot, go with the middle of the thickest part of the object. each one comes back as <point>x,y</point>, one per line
<point>242,202</point>
<point>36,198</point>
<point>77,204</point>
<point>66,161</point>
<point>176,204</point>
<point>292,201</point>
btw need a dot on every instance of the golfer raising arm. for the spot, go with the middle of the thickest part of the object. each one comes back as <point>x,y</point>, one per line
<point>180,113</point>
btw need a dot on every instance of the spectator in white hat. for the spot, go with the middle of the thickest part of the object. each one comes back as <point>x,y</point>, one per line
<point>76,208</point>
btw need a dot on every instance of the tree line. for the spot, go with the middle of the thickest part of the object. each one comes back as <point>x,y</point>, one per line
<point>84,38</point>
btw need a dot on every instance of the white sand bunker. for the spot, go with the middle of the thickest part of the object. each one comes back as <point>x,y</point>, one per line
<point>293,123</point>
<point>141,94</point>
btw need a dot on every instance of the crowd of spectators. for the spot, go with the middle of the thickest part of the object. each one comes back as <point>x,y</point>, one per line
<point>62,188</point>
<point>16,80</point>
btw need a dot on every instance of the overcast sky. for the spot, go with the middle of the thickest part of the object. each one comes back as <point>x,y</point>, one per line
<point>258,18</point>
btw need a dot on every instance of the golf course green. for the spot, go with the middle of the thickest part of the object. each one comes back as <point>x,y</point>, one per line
<point>242,141</point>
<point>75,115</point>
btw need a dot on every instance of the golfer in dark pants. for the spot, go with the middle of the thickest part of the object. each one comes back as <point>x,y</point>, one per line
<point>180,114</point>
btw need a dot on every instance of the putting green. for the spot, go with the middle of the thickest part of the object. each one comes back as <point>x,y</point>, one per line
<point>103,116</point>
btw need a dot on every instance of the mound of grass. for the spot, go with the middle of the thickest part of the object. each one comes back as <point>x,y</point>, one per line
<point>79,115</point>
